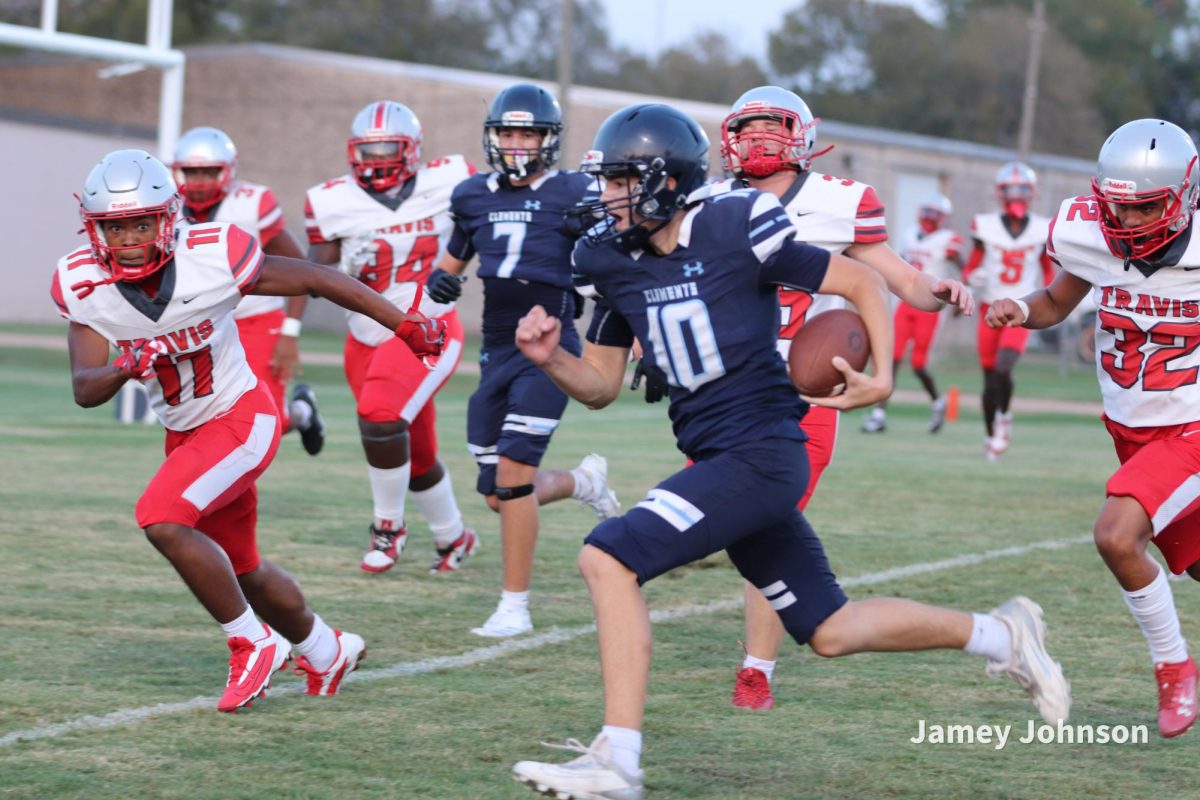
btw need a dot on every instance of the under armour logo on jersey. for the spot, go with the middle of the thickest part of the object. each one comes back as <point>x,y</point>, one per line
<point>691,270</point>
<point>533,205</point>
<point>483,358</point>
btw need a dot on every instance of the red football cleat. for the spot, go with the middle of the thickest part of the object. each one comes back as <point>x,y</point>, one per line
<point>752,690</point>
<point>1176,696</point>
<point>251,665</point>
<point>351,650</point>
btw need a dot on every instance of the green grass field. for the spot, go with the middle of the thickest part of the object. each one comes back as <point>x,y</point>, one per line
<point>97,628</point>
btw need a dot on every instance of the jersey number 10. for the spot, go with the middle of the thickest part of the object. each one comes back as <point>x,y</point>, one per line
<point>685,346</point>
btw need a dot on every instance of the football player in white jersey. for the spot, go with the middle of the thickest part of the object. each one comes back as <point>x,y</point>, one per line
<point>1132,246</point>
<point>768,142</point>
<point>1008,258</point>
<point>205,170</point>
<point>938,251</point>
<point>385,223</point>
<point>162,292</point>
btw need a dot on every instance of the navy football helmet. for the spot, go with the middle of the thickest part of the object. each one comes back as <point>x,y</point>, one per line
<point>523,106</point>
<point>653,143</point>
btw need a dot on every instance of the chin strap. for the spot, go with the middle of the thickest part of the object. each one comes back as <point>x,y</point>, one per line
<point>84,288</point>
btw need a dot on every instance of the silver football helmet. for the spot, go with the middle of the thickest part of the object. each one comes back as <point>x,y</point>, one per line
<point>204,148</point>
<point>1146,161</point>
<point>760,153</point>
<point>385,145</point>
<point>128,184</point>
<point>1016,184</point>
<point>933,211</point>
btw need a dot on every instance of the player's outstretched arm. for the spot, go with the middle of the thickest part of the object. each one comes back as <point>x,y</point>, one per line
<point>866,289</point>
<point>93,379</point>
<point>594,380</point>
<point>289,277</point>
<point>918,289</point>
<point>1043,308</point>
<point>285,360</point>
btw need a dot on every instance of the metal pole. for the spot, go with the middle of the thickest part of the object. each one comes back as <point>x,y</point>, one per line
<point>170,99</point>
<point>1037,26</point>
<point>566,51</point>
<point>49,15</point>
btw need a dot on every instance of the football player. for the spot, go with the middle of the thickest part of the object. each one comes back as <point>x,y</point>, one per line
<point>205,170</point>
<point>385,223</point>
<point>1008,258</point>
<point>1131,244</point>
<point>930,248</point>
<point>693,271</point>
<point>162,292</point>
<point>768,142</point>
<point>512,219</point>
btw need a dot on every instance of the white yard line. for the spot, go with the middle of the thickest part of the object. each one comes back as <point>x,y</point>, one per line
<point>133,716</point>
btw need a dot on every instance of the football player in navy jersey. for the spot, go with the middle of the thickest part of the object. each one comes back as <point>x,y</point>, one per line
<point>512,219</point>
<point>693,271</point>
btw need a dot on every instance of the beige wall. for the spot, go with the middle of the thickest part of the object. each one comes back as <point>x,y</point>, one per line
<point>289,112</point>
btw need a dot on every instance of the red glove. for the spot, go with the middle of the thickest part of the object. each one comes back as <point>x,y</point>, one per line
<point>137,362</point>
<point>424,336</point>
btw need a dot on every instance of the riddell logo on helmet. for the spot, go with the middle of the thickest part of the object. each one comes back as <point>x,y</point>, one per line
<point>119,206</point>
<point>592,157</point>
<point>516,117</point>
<point>1113,186</point>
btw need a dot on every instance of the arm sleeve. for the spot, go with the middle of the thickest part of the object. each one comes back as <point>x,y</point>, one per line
<point>974,261</point>
<point>609,328</point>
<point>796,265</point>
<point>460,245</point>
<point>246,258</point>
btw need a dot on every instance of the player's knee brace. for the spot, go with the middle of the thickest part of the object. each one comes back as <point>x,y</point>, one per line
<point>513,492</point>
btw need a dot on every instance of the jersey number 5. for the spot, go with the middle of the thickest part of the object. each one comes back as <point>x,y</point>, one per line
<point>685,346</point>
<point>1129,363</point>
<point>1014,264</point>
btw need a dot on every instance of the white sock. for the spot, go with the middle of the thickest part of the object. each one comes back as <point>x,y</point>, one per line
<point>301,414</point>
<point>246,626</point>
<point>440,510</point>
<point>321,646</point>
<point>583,485</point>
<point>389,487</point>
<point>514,601</point>
<point>990,638</point>
<point>767,667</point>
<point>1153,607</point>
<point>626,745</point>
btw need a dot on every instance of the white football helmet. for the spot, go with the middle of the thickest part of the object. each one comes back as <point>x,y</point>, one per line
<point>933,211</point>
<point>761,153</point>
<point>1145,161</point>
<point>384,148</point>
<point>204,148</point>
<point>124,185</point>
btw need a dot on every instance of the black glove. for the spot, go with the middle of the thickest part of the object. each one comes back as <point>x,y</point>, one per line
<point>656,381</point>
<point>442,287</point>
<point>580,304</point>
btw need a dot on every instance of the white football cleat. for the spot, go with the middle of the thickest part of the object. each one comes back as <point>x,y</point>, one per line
<point>876,421</point>
<point>1030,665</point>
<point>596,494</point>
<point>592,776</point>
<point>505,622</point>
<point>937,414</point>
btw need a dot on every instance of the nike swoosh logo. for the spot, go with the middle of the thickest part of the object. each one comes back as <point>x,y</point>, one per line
<point>190,299</point>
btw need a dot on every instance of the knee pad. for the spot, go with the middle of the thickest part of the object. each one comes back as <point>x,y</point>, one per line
<point>382,431</point>
<point>513,492</point>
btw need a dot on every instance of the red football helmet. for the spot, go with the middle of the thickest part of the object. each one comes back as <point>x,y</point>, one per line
<point>384,148</point>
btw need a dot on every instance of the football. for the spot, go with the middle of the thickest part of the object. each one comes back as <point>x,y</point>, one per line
<point>839,332</point>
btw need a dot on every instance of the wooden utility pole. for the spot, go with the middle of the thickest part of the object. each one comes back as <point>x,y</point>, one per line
<point>1037,26</point>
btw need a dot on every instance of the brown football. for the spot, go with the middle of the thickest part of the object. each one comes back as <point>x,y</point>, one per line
<point>839,332</point>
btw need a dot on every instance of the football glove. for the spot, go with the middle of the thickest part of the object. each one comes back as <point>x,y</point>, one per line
<point>137,362</point>
<point>424,336</point>
<point>442,287</point>
<point>656,381</point>
<point>580,304</point>
<point>357,256</point>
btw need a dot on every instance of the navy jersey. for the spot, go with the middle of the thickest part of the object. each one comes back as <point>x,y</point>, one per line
<point>519,234</point>
<point>707,315</point>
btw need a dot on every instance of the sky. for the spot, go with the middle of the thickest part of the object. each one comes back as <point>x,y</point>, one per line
<point>650,26</point>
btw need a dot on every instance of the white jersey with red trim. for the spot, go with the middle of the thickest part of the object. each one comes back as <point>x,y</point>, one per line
<point>831,213</point>
<point>1147,327</point>
<point>204,369</point>
<point>1011,265</point>
<point>398,246</point>
<point>933,253</point>
<point>253,208</point>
